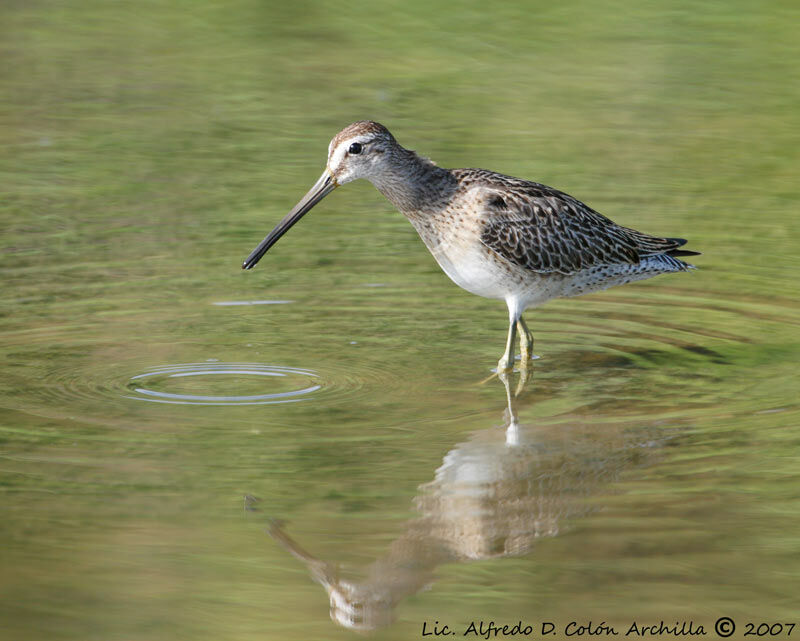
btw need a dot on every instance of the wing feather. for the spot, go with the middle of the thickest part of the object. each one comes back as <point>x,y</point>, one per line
<point>544,230</point>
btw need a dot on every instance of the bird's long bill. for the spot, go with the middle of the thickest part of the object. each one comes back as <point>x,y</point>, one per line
<point>322,188</point>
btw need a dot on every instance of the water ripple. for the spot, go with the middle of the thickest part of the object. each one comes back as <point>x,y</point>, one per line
<point>155,386</point>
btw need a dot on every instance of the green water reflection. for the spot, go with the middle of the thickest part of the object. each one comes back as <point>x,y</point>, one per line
<point>146,149</point>
<point>492,497</point>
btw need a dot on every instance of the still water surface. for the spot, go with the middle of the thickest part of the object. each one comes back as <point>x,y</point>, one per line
<point>189,451</point>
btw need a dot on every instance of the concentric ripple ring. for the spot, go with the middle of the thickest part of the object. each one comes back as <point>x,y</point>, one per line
<point>141,385</point>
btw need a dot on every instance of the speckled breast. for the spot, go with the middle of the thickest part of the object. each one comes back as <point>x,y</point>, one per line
<point>455,244</point>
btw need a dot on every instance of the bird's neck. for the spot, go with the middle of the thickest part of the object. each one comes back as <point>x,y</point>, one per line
<point>415,185</point>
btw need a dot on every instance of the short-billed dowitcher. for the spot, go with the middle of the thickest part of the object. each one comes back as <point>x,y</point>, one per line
<point>494,235</point>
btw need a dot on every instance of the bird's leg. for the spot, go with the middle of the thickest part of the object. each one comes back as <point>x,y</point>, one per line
<point>506,362</point>
<point>525,341</point>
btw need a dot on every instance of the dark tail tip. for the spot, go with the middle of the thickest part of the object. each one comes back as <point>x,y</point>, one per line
<point>679,242</point>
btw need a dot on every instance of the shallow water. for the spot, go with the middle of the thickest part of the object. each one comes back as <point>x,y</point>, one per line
<point>192,451</point>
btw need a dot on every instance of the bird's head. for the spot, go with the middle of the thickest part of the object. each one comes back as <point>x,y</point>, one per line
<point>359,150</point>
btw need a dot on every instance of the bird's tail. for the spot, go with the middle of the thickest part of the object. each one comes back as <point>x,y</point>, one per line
<point>678,242</point>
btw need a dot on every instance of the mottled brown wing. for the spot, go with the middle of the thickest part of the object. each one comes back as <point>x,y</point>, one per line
<point>544,230</point>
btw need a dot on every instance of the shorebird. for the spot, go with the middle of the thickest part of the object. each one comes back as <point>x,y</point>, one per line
<point>494,235</point>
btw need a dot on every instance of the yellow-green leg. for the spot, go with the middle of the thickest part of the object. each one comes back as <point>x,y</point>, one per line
<point>506,362</point>
<point>525,341</point>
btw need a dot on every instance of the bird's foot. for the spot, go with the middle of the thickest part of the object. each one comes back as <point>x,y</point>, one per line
<point>505,365</point>
<point>502,371</point>
<point>505,375</point>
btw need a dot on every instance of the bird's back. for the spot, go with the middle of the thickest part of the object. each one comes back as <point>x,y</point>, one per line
<point>544,230</point>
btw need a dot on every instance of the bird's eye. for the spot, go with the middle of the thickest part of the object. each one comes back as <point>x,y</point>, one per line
<point>355,148</point>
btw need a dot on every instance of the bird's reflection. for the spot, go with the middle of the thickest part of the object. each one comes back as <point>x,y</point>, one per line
<point>494,495</point>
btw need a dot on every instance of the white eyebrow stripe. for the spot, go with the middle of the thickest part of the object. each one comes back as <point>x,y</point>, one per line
<point>336,156</point>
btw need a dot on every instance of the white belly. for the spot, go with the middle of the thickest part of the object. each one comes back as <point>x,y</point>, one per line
<point>474,267</point>
<point>473,272</point>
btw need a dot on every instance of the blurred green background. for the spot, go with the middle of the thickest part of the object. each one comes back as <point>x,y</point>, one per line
<point>145,148</point>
